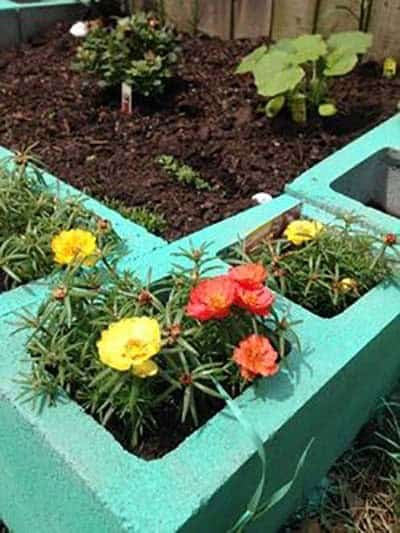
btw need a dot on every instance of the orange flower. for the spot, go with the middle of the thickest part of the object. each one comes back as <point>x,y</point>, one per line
<point>211,298</point>
<point>249,276</point>
<point>256,357</point>
<point>258,301</point>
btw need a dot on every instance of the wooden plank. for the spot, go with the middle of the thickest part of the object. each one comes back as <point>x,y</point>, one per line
<point>252,18</point>
<point>385,26</point>
<point>331,19</point>
<point>292,17</point>
<point>213,17</point>
<point>216,17</point>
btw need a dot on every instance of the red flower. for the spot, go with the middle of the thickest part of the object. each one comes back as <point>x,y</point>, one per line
<point>211,298</point>
<point>258,301</point>
<point>256,357</point>
<point>249,276</point>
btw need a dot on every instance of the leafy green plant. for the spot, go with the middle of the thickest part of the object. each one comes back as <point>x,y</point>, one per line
<point>149,219</point>
<point>30,215</point>
<point>77,336</point>
<point>301,68</point>
<point>327,270</point>
<point>138,50</point>
<point>183,173</point>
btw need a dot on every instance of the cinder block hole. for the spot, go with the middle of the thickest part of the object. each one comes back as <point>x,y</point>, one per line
<point>375,182</point>
<point>265,242</point>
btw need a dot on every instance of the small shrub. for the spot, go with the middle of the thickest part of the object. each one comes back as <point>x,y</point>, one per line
<point>138,51</point>
<point>183,173</point>
<point>297,71</point>
<point>323,268</point>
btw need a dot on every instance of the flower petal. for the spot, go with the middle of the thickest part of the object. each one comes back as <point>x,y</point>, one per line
<point>145,369</point>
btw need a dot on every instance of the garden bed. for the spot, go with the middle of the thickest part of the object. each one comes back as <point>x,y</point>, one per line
<point>209,120</point>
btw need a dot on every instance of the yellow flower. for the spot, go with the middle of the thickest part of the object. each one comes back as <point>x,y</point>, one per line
<point>74,245</point>
<point>129,344</point>
<point>347,285</point>
<point>300,231</point>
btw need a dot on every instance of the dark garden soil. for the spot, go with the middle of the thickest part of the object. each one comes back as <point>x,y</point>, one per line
<point>210,119</point>
<point>168,431</point>
<point>2,282</point>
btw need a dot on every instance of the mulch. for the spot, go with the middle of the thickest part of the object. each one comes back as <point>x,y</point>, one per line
<point>209,119</point>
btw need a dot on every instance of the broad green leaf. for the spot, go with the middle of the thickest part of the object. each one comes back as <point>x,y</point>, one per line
<point>327,110</point>
<point>274,106</point>
<point>304,48</point>
<point>249,62</point>
<point>271,63</point>
<point>355,42</point>
<point>340,62</point>
<point>273,83</point>
<point>309,48</point>
<point>285,45</point>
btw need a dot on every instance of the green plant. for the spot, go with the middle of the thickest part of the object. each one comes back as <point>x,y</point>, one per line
<point>183,173</point>
<point>152,221</point>
<point>327,270</point>
<point>138,50</point>
<point>77,346</point>
<point>299,69</point>
<point>30,215</point>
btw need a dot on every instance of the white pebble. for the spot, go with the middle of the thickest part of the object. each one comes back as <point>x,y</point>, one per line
<point>79,29</point>
<point>262,198</point>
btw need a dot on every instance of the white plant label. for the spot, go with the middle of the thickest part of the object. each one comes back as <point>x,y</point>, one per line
<point>126,98</point>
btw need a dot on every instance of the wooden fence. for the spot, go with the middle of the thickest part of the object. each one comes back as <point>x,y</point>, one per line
<point>285,18</point>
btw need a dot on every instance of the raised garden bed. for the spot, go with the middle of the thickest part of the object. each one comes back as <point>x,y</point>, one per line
<point>213,473</point>
<point>132,355</point>
<point>209,119</point>
<point>286,410</point>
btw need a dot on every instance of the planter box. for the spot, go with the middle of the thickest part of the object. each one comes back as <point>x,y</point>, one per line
<point>363,171</point>
<point>138,240</point>
<point>23,19</point>
<point>62,472</point>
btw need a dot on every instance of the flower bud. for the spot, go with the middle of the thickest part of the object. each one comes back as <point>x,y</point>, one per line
<point>145,297</point>
<point>390,239</point>
<point>103,224</point>
<point>346,285</point>
<point>186,379</point>
<point>59,293</point>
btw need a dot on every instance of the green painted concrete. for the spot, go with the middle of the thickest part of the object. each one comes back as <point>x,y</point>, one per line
<point>315,185</point>
<point>138,240</point>
<point>65,473</point>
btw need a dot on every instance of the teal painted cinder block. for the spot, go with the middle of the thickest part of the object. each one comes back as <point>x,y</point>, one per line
<point>64,473</point>
<point>316,184</point>
<point>138,240</point>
